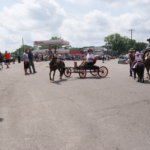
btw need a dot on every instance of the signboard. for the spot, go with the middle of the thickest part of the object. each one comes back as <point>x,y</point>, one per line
<point>51,42</point>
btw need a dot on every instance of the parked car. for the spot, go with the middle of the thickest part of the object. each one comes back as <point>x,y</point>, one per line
<point>123,59</point>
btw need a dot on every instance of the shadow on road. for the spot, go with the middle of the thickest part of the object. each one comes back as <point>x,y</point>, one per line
<point>146,82</point>
<point>58,82</point>
<point>92,77</point>
<point>1,119</point>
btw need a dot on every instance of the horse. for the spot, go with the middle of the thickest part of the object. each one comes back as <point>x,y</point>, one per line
<point>147,66</point>
<point>146,59</point>
<point>54,65</point>
<point>139,70</point>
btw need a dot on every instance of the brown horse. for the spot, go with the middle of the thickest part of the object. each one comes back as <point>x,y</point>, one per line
<point>54,65</point>
<point>147,63</point>
<point>147,66</point>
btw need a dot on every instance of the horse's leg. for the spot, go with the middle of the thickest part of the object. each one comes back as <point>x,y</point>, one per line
<point>148,69</point>
<point>130,69</point>
<point>60,71</point>
<point>134,71</point>
<point>54,74</point>
<point>50,75</point>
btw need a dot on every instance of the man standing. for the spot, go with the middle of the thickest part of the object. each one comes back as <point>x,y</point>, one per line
<point>50,53</point>
<point>31,61</point>
<point>26,62</point>
<point>131,59</point>
<point>7,58</point>
<point>1,61</point>
<point>18,57</point>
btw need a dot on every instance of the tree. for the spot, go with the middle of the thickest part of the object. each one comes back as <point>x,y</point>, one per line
<point>115,42</point>
<point>121,44</point>
<point>22,49</point>
<point>139,46</point>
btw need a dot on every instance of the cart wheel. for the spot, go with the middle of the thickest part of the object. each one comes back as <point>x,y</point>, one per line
<point>103,71</point>
<point>67,72</point>
<point>94,72</point>
<point>82,73</point>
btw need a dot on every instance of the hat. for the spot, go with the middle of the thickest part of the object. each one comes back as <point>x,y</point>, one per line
<point>148,39</point>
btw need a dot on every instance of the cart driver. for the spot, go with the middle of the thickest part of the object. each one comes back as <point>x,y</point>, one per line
<point>89,60</point>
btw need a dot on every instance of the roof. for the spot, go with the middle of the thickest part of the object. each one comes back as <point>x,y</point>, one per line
<point>51,42</point>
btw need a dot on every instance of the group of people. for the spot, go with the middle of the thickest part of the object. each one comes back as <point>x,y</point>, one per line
<point>135,57</point>
<point>28,59</point>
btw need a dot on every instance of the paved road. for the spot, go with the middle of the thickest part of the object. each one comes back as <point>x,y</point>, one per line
<point>73,114</point>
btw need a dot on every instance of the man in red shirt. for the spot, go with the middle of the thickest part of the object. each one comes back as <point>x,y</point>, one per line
<point>7,58</point>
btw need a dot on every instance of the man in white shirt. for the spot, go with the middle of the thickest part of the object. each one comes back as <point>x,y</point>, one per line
<point>26,62</point>
<point>90,58</point>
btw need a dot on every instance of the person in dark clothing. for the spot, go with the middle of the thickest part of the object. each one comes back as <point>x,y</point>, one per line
<point>1,61</point>
<point>18,57</point>
<point>31,61</point>
<point>50,53</point>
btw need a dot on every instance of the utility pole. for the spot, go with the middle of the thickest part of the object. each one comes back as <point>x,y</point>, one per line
<point>23,44</point>
<point>131,30</point>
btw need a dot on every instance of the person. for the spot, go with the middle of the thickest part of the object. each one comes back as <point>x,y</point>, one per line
<point>103,59</point>
<point>7,58</point>
<point>26,62</point>
<point>18,57</point>
<point>1,61</point>
<point>148,45</point>
<point>31,61</point>
<point>147,50</point>
<point>138,59</point>
<point>90,58</point>
<point>50,53</point>
<point>131,56</point>
<point>13,57</point>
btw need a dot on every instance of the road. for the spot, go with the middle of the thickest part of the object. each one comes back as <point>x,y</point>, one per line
<point>110,113</point>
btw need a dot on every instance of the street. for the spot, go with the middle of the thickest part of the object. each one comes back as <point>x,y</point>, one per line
<point>94,113</point>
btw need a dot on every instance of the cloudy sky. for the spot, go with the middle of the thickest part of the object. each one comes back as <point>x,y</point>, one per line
<point>81,22</point>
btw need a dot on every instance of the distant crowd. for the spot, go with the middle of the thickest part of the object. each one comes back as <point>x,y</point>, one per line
<point>29,56</point>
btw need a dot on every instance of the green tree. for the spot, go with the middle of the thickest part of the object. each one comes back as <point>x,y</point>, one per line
<point>115,42</point>
<point>119,43</point>
<point>22,49</point>
<point>139,46</point>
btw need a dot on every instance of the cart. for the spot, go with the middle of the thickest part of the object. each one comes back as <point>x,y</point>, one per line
<point>100,72</point>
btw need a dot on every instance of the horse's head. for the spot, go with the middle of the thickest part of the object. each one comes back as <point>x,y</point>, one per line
<point>54,57</point>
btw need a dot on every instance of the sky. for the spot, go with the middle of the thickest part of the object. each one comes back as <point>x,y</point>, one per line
<point>81,22</point>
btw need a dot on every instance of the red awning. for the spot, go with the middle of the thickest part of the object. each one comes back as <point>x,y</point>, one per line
<point>75,52</point>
